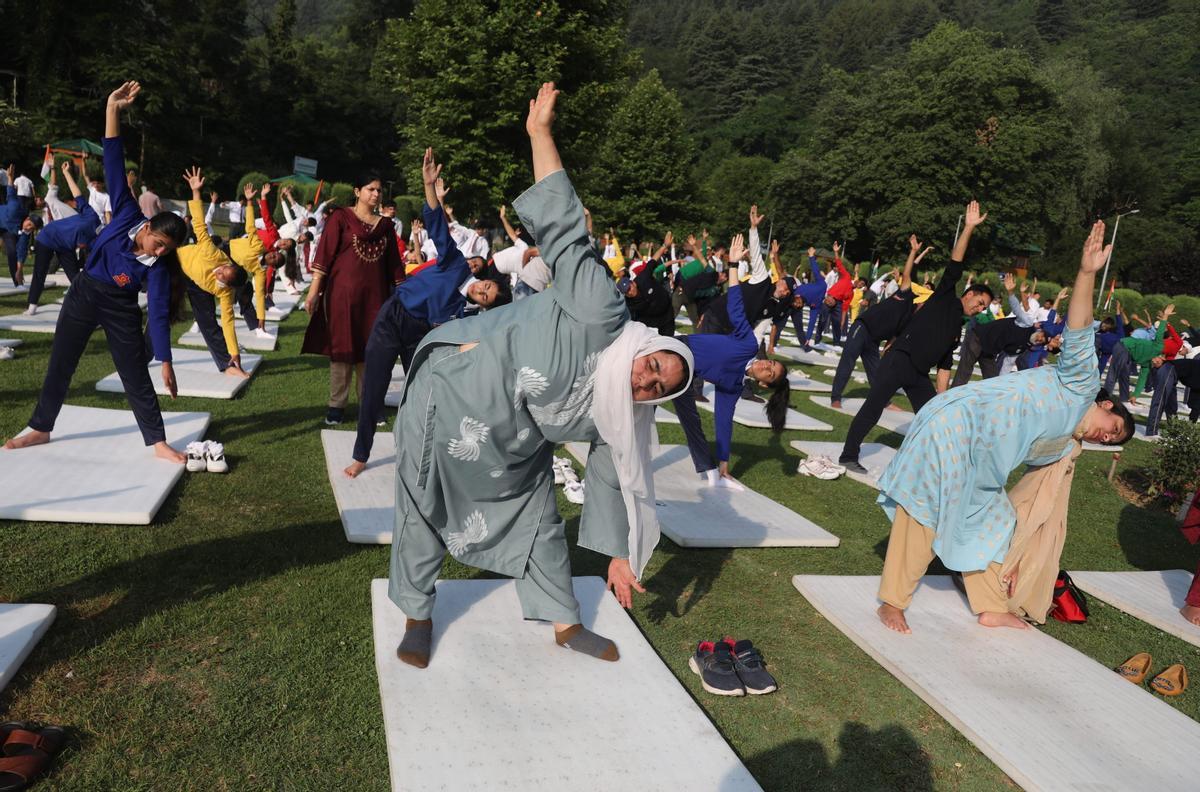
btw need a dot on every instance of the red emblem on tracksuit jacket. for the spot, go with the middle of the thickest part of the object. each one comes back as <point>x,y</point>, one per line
<point>121,279</point>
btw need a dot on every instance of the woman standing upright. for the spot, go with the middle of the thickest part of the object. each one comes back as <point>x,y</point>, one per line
<point>355,269</point>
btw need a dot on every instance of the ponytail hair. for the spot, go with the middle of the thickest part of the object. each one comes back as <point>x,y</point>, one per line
<point>777,403</point>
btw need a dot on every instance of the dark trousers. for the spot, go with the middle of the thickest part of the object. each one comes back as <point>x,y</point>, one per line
<point>204,308</point>
<point>1120,368</point>
<point>88,305</point>
<point>67,260</point>
<point>10,251</point>
<point>896,372</point>
<point>395,334</point>
<point>858,344</point>
<point>689,419</point>
<point>245,301</point>
<point>1165,398</point>
<point>830,315</point>
<point>971,352</point>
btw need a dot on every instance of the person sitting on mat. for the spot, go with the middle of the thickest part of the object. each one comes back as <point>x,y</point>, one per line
<point>727,361</point>
<point>944,490</point>
<point>67,239</point>
<point>210,274</point>
<point>436,296</point>
<point>487,399</point>
<point>130,251</point>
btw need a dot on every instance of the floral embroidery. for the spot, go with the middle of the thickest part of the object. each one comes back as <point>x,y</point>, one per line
<point>530,382</point>
<point>474,531</point>
<point>578,401</point>
<point>473,434</point>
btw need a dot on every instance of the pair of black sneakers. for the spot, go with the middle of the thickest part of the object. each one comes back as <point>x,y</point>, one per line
<point>731,668</point>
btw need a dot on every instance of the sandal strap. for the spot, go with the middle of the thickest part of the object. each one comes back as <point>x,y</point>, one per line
<point>17,771</point>
<point>25,741</point>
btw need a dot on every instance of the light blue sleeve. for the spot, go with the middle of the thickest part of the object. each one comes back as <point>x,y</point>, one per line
<point>1078,369</point>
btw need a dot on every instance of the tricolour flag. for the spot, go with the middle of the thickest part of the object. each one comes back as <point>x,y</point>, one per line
<point>47,164</point>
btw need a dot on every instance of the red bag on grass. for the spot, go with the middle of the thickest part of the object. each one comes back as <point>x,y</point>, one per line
<point>1069,603</point>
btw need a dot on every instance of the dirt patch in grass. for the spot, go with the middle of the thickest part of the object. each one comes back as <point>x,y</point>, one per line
<point>1133,485</point>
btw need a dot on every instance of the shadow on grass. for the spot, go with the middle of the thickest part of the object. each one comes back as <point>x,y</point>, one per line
<point>1151,540</point>
<point>687,572</point>
<point>887,759</point>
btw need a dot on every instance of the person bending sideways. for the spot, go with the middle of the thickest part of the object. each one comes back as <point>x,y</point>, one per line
<point>1140,352</point>
<point>945,488</point>
<point>432,298</point>
<point>249,253</point>
<point>489,396</point>
<point>67,239</point>
<point>927,340</point>
<point>210,274</point>
<point>130,251</point>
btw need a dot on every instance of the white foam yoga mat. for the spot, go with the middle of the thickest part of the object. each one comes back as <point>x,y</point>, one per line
<point>683,320</point>
<point>367,503</point>
<point>284,305</point>
<point>875,457</point>
<point>799,382</point>
<point>395,387</point>
<point>692,514</point>
<point>1139,433</point>
<point>897,421</point>
<point>246,338</point>
<point>195,375</point>
<point>44,321</point>
<point>813,358</point>
<point>1100,447</point>
<point>95,469</point>
<point>57,280</point>
<point>1050,717</point>
<point>10,342</point>
<point>1153,597</point>
<point>501,706</point>
<point>754,414</point>
<point>8,290</point>
<point>856,375</point>
<point>21,627</point>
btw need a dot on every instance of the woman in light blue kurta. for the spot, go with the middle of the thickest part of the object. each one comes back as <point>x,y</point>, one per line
<point>486,400</point>
<point>949,475</point>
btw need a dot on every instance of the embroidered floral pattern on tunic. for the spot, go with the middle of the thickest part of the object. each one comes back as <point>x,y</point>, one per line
<point>578,401</point>
<point>474,531</point>
<point>530,382</point>
<point>473,434</point>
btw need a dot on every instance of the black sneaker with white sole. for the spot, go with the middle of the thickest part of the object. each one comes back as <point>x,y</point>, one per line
<point>713,663</point>
<point>334,416</point>
<point>853,466</point>
<point>748,663</point>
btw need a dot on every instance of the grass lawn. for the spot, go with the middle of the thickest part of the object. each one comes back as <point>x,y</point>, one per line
<point>228,645</point>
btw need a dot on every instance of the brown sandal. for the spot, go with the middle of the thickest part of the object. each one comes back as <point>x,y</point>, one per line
<point>1135,668</point>
<point>1170,682</point>
<point>27,753</point>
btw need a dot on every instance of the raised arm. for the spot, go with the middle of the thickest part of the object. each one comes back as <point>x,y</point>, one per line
<point>508,229</point>
<point>538,124</point>
<point>953,272</point>
<point>914,247</point>
<point>114,150</point>
<point>72,185</point>
<point>195,180</point>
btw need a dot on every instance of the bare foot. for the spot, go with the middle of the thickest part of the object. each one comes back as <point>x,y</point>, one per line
<point>164,451</point>
<point>988,619</point>
<point>354,468</point>
<point>894,407</point>
<point>893,618</point>
<point>837,405</point>
<point>1191,613</point>
<point>30,438</point>
<point>236,372</point>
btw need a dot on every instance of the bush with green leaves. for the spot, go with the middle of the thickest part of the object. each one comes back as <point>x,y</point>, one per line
<point>1174,470</point>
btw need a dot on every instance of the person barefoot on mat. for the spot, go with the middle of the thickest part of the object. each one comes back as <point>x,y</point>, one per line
<point>944,490</point>
<point>130,251</point>
<point>485,402</point>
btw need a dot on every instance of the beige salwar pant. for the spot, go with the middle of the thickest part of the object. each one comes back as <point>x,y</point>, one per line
<point>340,375</point>
<point>909,552</point>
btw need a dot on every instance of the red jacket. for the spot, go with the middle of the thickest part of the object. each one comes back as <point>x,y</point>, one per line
<point>268,234</point>
<point>843,290</point>
<point>1172,344</point>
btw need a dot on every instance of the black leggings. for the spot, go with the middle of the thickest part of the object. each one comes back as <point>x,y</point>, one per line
<point>896,372</point>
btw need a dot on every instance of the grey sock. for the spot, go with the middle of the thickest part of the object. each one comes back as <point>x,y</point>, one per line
<point>414,646</point>
<point>578,639</point>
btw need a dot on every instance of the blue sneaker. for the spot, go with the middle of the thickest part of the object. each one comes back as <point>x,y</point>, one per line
<point>713,663</point>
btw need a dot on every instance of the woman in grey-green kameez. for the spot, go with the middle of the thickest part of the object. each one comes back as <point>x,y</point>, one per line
<point>486,401</point>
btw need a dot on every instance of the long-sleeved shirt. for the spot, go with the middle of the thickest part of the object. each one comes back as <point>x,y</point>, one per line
<point>931,335</point>
<point>842,289</point>
<point>112,259</point>
<point>198,262</point>
<point>56,209</point>
<point>12,213</point>
<point>435,296</point>
<point>812,293</point>
<point>69,233</point>
<point>1106,341</point>
<point>887,318</point>
<point>722,360</point>
<point>247,253</point>
<point>1142,351</point>
<point>269,234</point>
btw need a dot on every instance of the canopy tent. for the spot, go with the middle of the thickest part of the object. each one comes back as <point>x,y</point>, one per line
<point>76,147</point>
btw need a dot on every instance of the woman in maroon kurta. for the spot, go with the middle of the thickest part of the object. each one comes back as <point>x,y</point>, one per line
<point>355,269</point>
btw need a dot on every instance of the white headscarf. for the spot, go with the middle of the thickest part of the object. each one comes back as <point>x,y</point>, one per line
<point>628,429</point>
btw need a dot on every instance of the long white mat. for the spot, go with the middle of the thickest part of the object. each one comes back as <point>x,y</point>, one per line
<point>692,514</point>
<point>8,290</point>
<point>284,304</point>
<point>395,387</point>
<point>1048,716</point>
<point>501,706</point>
<point>897,421</point>
<point>813,358</point>
<point>367,504</point>
<point>95,469</point>
<point>57,280</point>
<point>1139,433</point>
<point>799,382</point>
<point>754,414</point>
<point>195,375</point>
<point>44,321</point>
<point>246,338</point>
<point>10,342</point>
<point>856,375</point>
<point>1153,597</point>
<point>21,627</point>
<point>873,456</point>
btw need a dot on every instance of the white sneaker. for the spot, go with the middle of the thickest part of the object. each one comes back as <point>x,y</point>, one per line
<point>819,467</point>
<point>574,491</point>
<point>31,310</point>
<point>569,475</point>
<point>559,477</point>
<point>261,333</point>
<point>195,456</point>
<point>7,353</point>
<point>214,458</point>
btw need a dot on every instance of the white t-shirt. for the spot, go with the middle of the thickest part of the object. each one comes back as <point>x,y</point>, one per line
<point>99,201</point>
<point>535,274</point>
<point>24,186</point>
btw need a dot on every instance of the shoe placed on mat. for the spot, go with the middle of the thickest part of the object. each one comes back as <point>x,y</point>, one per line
<point>1135,668</point>
<point>1171,682</point>
<point>31,310</point>
<point>820,467</point>
<point>854,466</point>
<point>334,416</point>
<point>749,666</point>
<point>7,353</point>
<point>214,458</point>
<point>195,456</point>
<point>27,753</point>
<point>574,491</point>
<point>713,663</point>
<point>261,333</point>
